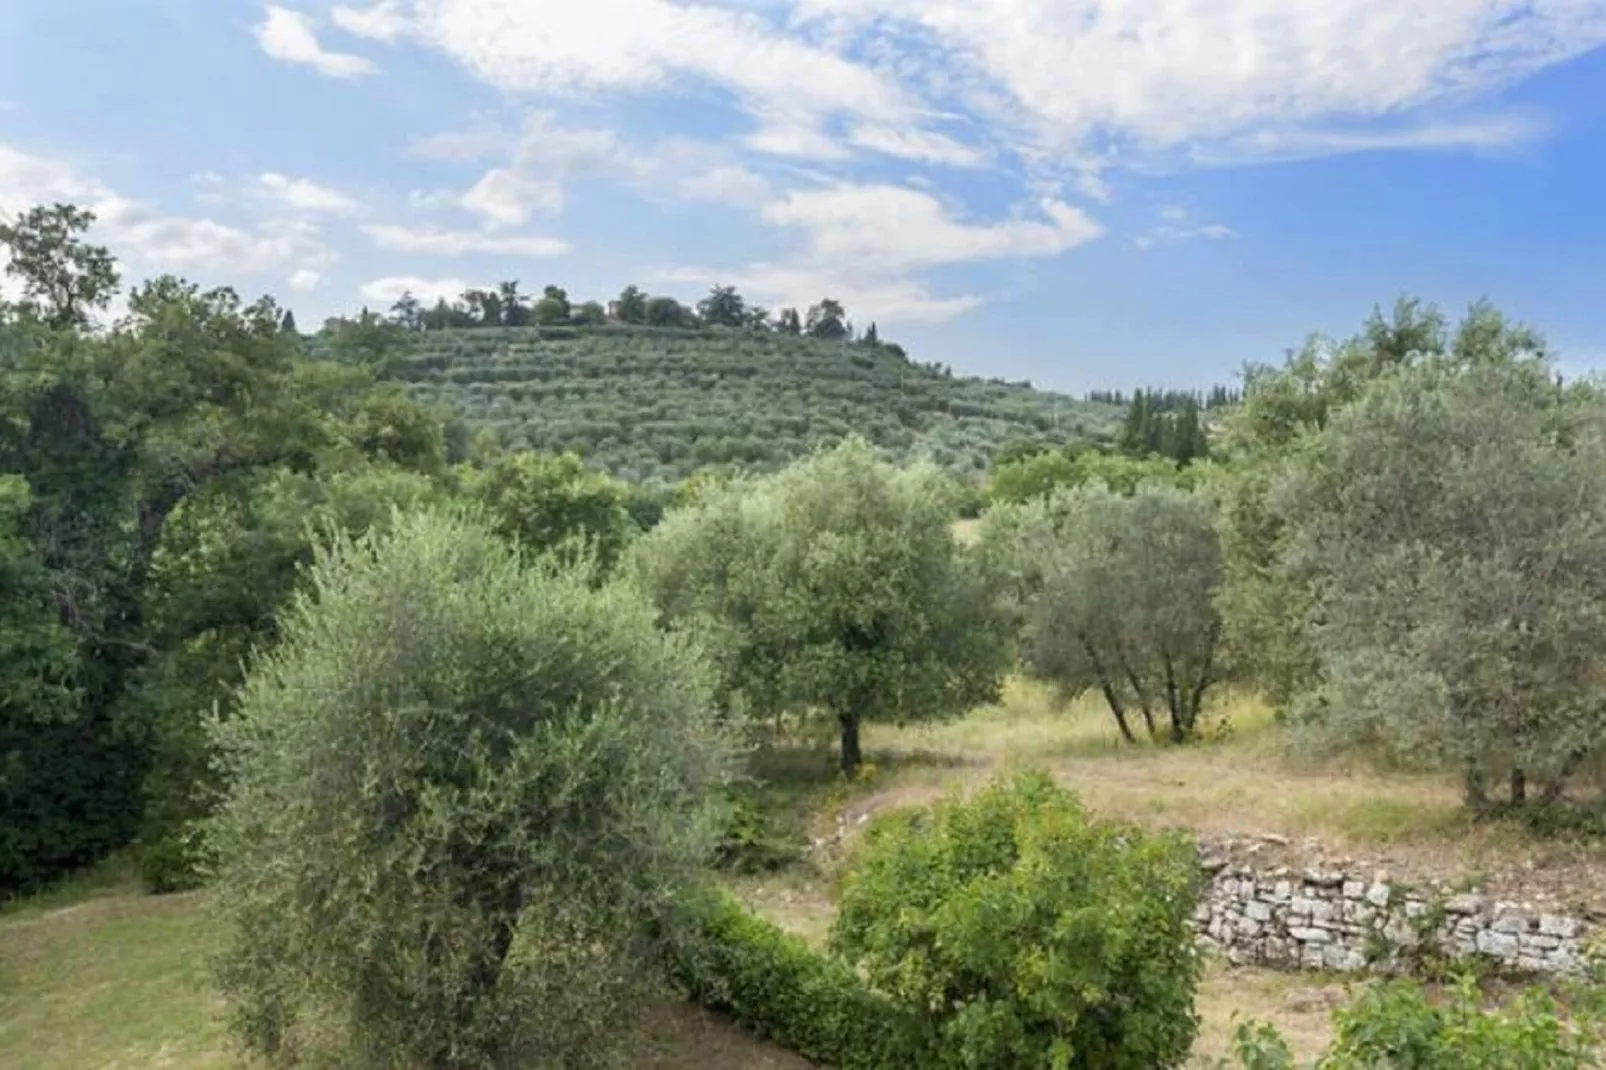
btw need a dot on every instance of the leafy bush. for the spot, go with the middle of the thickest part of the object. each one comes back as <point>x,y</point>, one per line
<point>772,982</point>
<point>1027,934</point>
<point>459,788</point>
<point>1396,1026</point>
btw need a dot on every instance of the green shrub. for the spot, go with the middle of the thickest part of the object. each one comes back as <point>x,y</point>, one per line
<point>776,985</point>
<point>1028,934</point>
<point>1397,1026</point>
<point>754,840</point>
<point>458,790</point>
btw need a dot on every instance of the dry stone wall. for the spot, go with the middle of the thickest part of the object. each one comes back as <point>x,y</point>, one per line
<point>1332,919</point>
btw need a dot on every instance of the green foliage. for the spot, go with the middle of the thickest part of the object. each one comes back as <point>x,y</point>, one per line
<point>63,278</point>
<point>775,984</point>
<point>1451,526</point>
<point>227,563</point>
<point>459,789</point>
<point>835,587</point>
<point>1039,474</point>
<point>1398,1026</point>
<point>1027,934</point>
<point>193,397</point>
<point>548,502</point>
<point>655,405</point>
<point>39,714</point>
<point>1116,593</point>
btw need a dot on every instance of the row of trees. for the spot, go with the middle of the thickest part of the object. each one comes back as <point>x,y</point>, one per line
<point>506,306</point>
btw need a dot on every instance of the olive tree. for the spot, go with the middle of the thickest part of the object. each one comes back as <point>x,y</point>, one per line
<point>1450,526</point>
<point>1115,593</point>
<point>460,789</point>
<point>834,588</point>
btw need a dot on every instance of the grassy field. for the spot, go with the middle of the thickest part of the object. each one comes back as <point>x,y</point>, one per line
<point>98,975</point>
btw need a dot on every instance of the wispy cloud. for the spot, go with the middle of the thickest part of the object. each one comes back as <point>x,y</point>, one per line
<point>288,36</point>
<point>436,242</point>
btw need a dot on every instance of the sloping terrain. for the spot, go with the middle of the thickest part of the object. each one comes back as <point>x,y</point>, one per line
<point>656,404</point>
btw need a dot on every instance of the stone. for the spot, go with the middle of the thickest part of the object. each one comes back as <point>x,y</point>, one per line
<point>1510,923</point>
<point>1354,889</point>
<point>1378,894</point>
<point>1347,959</point>
<point>1321,911</point>
<point>1307,935</point>
<point>1556,925</point>
<point>1500,945</point>
<point>1282,891</point>
<point>1255,910</point>
<point>1465,903</point>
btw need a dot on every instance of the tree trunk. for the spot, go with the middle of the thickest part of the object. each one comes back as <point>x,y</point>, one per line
<point>851,755</point>
<point>1111,695</point>
<point>1143,700</point>
<point>1173,701</point>
<point>1475,790</point>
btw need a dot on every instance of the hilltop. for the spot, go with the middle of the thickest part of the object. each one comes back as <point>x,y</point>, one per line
<point>653,403</point>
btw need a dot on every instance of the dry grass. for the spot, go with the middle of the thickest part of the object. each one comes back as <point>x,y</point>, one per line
<point>1240,779</point>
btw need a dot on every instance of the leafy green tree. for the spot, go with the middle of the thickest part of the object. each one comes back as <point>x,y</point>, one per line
<point>789,322</point>
<point>444,845</point>
<point>871,336</point>
<point>590,314</point>
<point>827,320</point>
<point>723,307</point>
<point>834,587</point>
<point>1451,528</point>
<point>548,501</point>
<point>407,313</point>
<point>1117,594</point>
<point>631,306</point>
<point>64,279</point>
<point>39,712</point>
<point>667,312</point>
<point>515,312</point>
<point>553,307</point>
<point>227,565</point>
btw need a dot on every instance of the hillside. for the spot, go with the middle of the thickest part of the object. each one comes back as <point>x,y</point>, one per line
<point>655,404</point>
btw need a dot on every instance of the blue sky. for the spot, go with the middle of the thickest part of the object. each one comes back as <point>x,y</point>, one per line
<point>1080,192</point>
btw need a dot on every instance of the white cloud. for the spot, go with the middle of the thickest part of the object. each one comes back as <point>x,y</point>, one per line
<point>149,241</point>
<point>545,156</point>
<point>1093,185</point>
<point>1176,225</point>
<point>383,21</point>
<point>916,144</point>
<point>1494,132</point>
<point>303,280</point>
<point>288,36</point>
<point>894,229</point>
<point>866,242</point>
<point>1086,73</point>
<point>726,184</point>
<point>437,242</point>
<point>870,298</point>
<point>304,194</point>
<point>387,291</point>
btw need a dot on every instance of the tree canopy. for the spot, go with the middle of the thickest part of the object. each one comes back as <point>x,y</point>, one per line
<point>834,588</point>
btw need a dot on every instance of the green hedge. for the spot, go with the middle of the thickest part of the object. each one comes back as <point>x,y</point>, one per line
<point>777,986</point>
